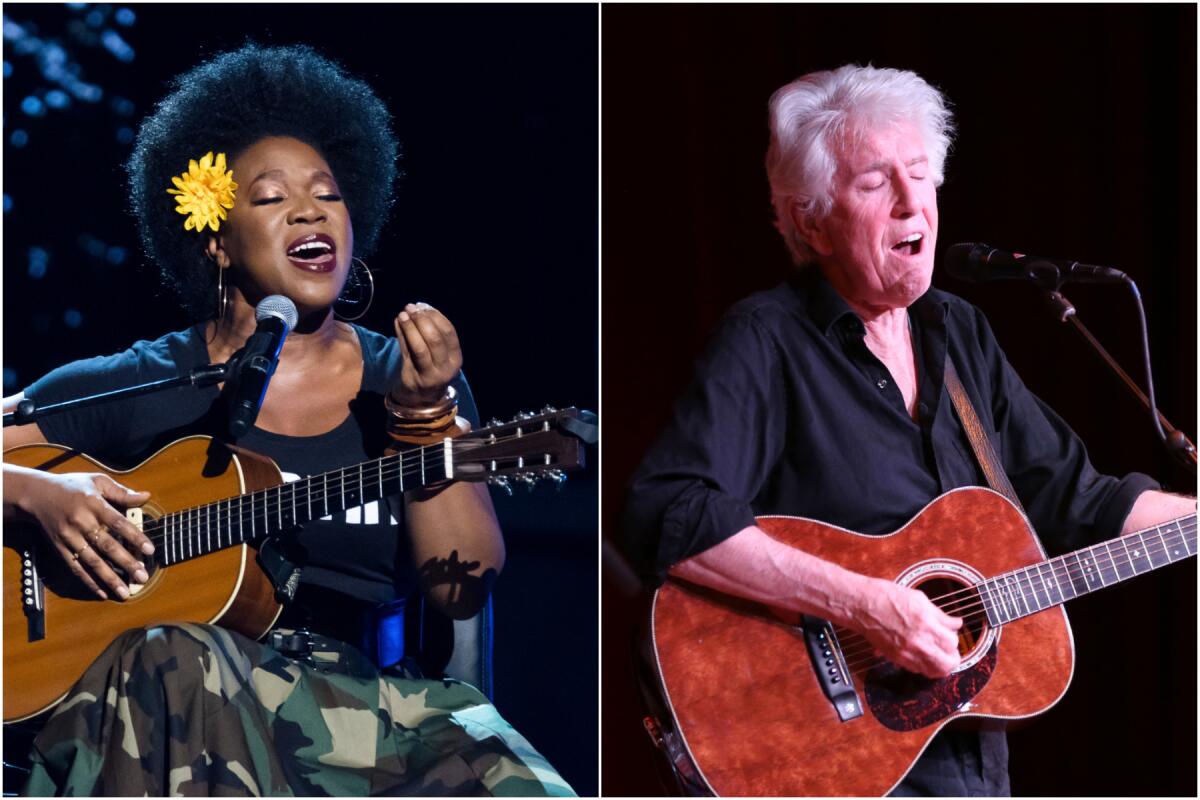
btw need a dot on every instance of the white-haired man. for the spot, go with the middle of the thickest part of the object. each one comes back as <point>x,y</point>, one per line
<point>825,398</point>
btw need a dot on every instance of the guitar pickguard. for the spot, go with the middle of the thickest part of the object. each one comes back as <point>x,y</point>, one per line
<point>905,701</point>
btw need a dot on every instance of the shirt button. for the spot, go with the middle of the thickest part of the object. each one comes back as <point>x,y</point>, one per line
<point>882,383</point>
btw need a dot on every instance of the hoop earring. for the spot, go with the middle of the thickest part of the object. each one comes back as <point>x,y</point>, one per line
<point>358,262</point>
<point>222,295</point>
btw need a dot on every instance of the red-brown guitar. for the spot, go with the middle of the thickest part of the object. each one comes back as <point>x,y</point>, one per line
<point>766,706</point>
<point>208,508</point>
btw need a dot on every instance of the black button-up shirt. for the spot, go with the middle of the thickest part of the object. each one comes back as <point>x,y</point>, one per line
<point>790,413</point>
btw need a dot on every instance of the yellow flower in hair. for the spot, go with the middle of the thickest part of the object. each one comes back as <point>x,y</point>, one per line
<point>204,192</point>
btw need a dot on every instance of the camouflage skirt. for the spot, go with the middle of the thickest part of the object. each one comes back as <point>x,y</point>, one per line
<point>197,710</point>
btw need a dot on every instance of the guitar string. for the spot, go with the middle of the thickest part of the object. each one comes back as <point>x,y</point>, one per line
<point>973,598</point>
<point>1183,527</point>
<point>855,641</point>
<point>193,523</point>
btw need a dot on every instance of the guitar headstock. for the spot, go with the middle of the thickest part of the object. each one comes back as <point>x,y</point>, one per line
<point>527,449</point>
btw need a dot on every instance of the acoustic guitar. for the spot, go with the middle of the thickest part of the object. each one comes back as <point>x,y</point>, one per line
<point>766,705</point>
<point>209,505</point>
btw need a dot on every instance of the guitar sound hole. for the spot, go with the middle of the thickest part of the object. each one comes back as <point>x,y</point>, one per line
<point>963,601</point>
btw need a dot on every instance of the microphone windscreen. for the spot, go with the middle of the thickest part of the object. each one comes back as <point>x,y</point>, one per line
<point>277,306</point>
<point>964,259</point>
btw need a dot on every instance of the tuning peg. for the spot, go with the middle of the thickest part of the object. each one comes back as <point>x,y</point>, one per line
<point>501,481</point>
<point>548,409</point>
<point>529,479</point>
<point>494,423</point>
<point>558,476</point>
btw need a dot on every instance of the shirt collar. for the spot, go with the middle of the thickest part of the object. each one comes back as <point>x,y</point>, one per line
<point>826,307</point>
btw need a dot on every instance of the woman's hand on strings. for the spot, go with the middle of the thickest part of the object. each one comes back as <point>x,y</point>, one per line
<point>78,513</point>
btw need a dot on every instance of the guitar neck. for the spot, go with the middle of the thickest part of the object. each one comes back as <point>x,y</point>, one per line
<point>197,531</point>
<point>1031,589</point>
<point>527,449</point>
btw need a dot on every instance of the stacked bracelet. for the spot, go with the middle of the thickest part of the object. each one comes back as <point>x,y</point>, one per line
<point>425,425</point>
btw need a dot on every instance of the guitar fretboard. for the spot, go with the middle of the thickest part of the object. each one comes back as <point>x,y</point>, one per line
<point>1031,589</point>
<point>197,531</point>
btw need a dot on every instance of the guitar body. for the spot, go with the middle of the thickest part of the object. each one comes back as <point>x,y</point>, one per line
<point>225,587</point>
<point>742,688</point>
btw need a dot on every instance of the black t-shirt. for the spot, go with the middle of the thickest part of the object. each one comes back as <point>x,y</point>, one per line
<point>359,552</point>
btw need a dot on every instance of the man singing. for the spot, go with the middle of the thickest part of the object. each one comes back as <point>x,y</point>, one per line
<point>825,397</point>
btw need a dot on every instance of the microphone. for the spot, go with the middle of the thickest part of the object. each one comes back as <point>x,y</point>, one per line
<point>980,262</point>
<point>253,365</point>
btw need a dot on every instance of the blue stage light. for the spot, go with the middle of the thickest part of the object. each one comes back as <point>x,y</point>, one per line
<point>116,255</point>
<point>7,69</point>
<point>33,106</point>
<point>122,105</point>
<point>8,204</point>
<point>10,379</point>
<point>113,42</point>
<point>18,138</point>
<point>72,318</point>
<point>125,16</point>
<point>125,135</point>
<point>39,260</point>
<point>57,98</point>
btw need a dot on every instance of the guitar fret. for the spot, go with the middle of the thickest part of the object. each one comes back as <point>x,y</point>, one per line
<point>1190,550</point>
<point>1130,567</point>
<point>279,506</point>
<point>1007,598</point>
<point>989,605</point>
<point>1045,587</point>
<point>293,504</point>
<point>1017,595</point>
<point>1157,550</point>
<point>1097,570</point>
<point>379,464</point>
<point>421,453</point>
<point>1079,578</point>
<point>400,461</point>
<point>1173,550</point>
<point>1033,590</point>
<point>208,528</point>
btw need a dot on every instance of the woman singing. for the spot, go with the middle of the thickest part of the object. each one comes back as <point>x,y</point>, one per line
<point>269,171</point>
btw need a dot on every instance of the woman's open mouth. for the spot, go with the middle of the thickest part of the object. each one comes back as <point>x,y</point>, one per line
<point>315,252</point>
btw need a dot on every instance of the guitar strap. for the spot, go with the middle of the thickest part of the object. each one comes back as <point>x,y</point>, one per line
<point>985,454</point>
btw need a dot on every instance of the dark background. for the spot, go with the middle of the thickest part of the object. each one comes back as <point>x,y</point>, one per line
<point>495,225</point>
<point>1077,138</point>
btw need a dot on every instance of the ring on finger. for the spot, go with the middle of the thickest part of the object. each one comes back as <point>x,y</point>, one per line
<point>76,554</point>
<point>93,535</point>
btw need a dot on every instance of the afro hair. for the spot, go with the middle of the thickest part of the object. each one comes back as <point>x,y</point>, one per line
<point>229,103</point>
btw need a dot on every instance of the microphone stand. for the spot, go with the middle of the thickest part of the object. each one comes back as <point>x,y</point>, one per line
<point>1176,442</point>
<point>207,375</point>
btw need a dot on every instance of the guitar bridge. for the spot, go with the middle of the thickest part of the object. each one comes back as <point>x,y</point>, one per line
<point>33,596</point>
<point>830,667</point>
